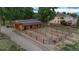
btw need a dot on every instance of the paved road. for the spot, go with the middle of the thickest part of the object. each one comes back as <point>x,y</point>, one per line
<point>25,43</point>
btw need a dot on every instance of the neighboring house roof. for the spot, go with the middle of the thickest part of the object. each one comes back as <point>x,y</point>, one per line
<point>60,14</point>
<point>28,22</point>
<point>66,17</point>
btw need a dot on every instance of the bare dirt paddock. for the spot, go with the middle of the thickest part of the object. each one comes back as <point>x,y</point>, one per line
<point>51,37</point>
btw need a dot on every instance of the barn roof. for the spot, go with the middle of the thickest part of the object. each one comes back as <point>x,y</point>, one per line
<point>28,21</point>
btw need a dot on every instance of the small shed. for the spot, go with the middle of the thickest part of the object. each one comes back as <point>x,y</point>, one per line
<point>27,24</point>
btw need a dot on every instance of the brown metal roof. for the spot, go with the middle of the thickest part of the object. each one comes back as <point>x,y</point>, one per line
<point>28,22</point>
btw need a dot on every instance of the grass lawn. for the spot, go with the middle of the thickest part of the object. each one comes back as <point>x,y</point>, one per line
<point>7,45</point>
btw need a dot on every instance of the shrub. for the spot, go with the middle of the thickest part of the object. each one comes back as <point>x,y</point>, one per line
<point>63,22</point>
<point>61,17</point>
<point>71,47</point>
<point>13,48</point>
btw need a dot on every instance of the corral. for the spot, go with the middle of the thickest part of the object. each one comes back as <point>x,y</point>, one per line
<point>50,37</point>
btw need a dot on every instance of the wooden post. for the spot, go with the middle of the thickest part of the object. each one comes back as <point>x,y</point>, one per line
<point>36,37</point>
<point>0,23</point>
<point>21,27</point>
<point>43,41</point>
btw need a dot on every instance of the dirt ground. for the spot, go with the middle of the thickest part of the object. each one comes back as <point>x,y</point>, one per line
<point>38,40</point>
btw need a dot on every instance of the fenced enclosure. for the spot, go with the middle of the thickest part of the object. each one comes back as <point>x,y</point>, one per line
<point>49,36</point>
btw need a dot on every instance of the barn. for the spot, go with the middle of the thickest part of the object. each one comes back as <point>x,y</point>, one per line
<point>26,24</point>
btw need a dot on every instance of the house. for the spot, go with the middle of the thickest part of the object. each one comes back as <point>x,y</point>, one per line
<point>60,16</point>
<point>26,24</point>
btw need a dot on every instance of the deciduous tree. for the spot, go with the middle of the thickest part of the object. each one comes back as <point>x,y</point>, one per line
<point>46,13</point>
<point>10,13</point>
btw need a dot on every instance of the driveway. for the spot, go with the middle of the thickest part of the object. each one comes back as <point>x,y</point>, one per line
<point>24,42</point>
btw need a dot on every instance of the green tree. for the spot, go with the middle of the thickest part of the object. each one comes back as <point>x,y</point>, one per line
<point>36,16</point>
<point>46,13</point>
<point>72,14</point>
<point>10,13</point>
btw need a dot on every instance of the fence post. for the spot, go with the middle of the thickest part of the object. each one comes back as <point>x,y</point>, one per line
<point>36,37</point>
<point>43,41</point>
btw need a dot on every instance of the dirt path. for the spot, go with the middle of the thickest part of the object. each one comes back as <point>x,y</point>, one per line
<point>22,41</point>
